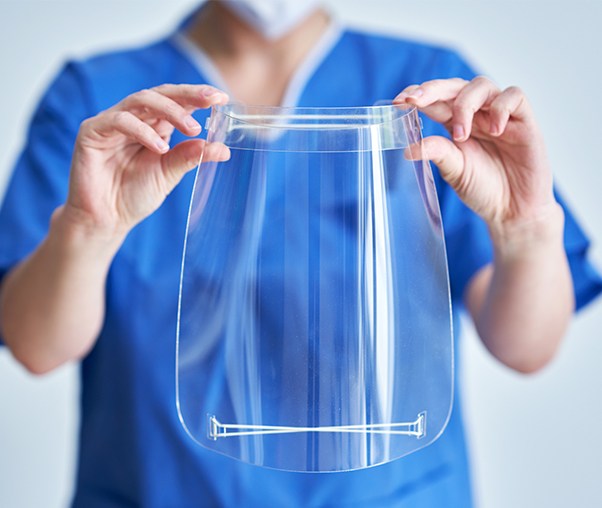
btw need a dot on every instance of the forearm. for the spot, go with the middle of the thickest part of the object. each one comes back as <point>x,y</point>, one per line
<point>52,304</point>
<point>523,303</point>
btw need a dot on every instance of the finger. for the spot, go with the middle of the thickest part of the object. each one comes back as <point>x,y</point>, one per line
<point>186,156</point>
<point>440,112</point>
<point>215,152</point>
<point>511,102</point>
<point>195,96</point>
<point>130,126</point>
<point>445,154</point>
<point>476,94</point>
<point>433,98</point>
<point>162,106</point>
<point>433,91</point>
<point>404,94</point>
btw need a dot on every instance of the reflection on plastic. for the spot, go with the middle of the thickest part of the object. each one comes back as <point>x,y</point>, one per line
<point>314,328</point>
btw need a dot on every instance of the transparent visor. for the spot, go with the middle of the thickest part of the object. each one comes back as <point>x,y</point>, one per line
<point>314,329</point>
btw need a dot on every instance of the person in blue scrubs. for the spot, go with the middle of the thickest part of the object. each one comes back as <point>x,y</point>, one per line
<point>93,221</point>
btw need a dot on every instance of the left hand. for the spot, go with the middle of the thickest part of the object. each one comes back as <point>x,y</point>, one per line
<point>497,162</point>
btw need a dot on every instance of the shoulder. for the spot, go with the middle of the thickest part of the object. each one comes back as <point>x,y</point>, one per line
<point>110,76</point>
<point>416,58</point>
<point>84,87</point>
<point>130,61</point>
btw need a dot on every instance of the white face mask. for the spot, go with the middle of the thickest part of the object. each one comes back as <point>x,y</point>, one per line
<point>272,18</point>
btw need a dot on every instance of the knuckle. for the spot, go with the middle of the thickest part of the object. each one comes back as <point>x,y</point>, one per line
<point>497,108</point>
<point>122,118</point>
<point>167,89</point>
<point>432,84</point>
<point>161,88</point>
<point>499,113</point>
<point>136,126</point>
<point>501,106</point>
<point>515,91</point>
<point>427,86</point>
<point>462,106</point>
<point>144,95</point>
<point>87,125</point>
<point>460,81</point>
<point>173,110</point>
<point>209,88</point>
<point>131,100</point>
<point>481,80</point>
<point>140,130</point>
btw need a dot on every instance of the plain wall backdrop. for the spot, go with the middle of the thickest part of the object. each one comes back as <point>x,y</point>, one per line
<point>534,440</point>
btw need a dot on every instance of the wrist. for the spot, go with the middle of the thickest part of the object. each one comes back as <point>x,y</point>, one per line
<point>529,237</point>
<point>76,236</point>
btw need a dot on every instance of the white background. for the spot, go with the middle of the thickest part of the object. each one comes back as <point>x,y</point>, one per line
<point>535,441</point>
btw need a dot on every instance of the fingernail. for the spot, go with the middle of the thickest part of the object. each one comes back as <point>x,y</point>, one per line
<point>162,146</point>
<point>192,124</point>
<point>493,129</point>
<point>419,92</point>
<point>401,97</point>
<point>458,132</point>
<point>209,92</point>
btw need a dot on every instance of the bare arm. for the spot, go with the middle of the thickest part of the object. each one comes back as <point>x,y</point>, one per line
<point>522,303</point>
<point>52,304</point>
<point>497,164</point>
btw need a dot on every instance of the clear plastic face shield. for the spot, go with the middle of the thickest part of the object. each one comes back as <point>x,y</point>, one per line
<point>314,329</point>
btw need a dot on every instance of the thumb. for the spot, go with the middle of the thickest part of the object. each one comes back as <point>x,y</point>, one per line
<point>187,155</point>
<point>445,154</point>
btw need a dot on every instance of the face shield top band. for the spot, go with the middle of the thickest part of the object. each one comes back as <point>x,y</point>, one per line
<point>314,328</point>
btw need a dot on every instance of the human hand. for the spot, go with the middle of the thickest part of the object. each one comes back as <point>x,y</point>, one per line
<point>497,162</point>
<point>122,168</point>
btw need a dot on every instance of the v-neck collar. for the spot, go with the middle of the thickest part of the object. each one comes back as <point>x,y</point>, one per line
<point>301,77</point>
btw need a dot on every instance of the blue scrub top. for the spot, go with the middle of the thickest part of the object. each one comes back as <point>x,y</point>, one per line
<point>133,450</point>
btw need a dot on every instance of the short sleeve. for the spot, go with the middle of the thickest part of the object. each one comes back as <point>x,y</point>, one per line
<point>467,238</point>
<point>587,282</point>
<point>39,180</point>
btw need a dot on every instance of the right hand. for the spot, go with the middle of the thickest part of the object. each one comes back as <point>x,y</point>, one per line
<point>122,168</point>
